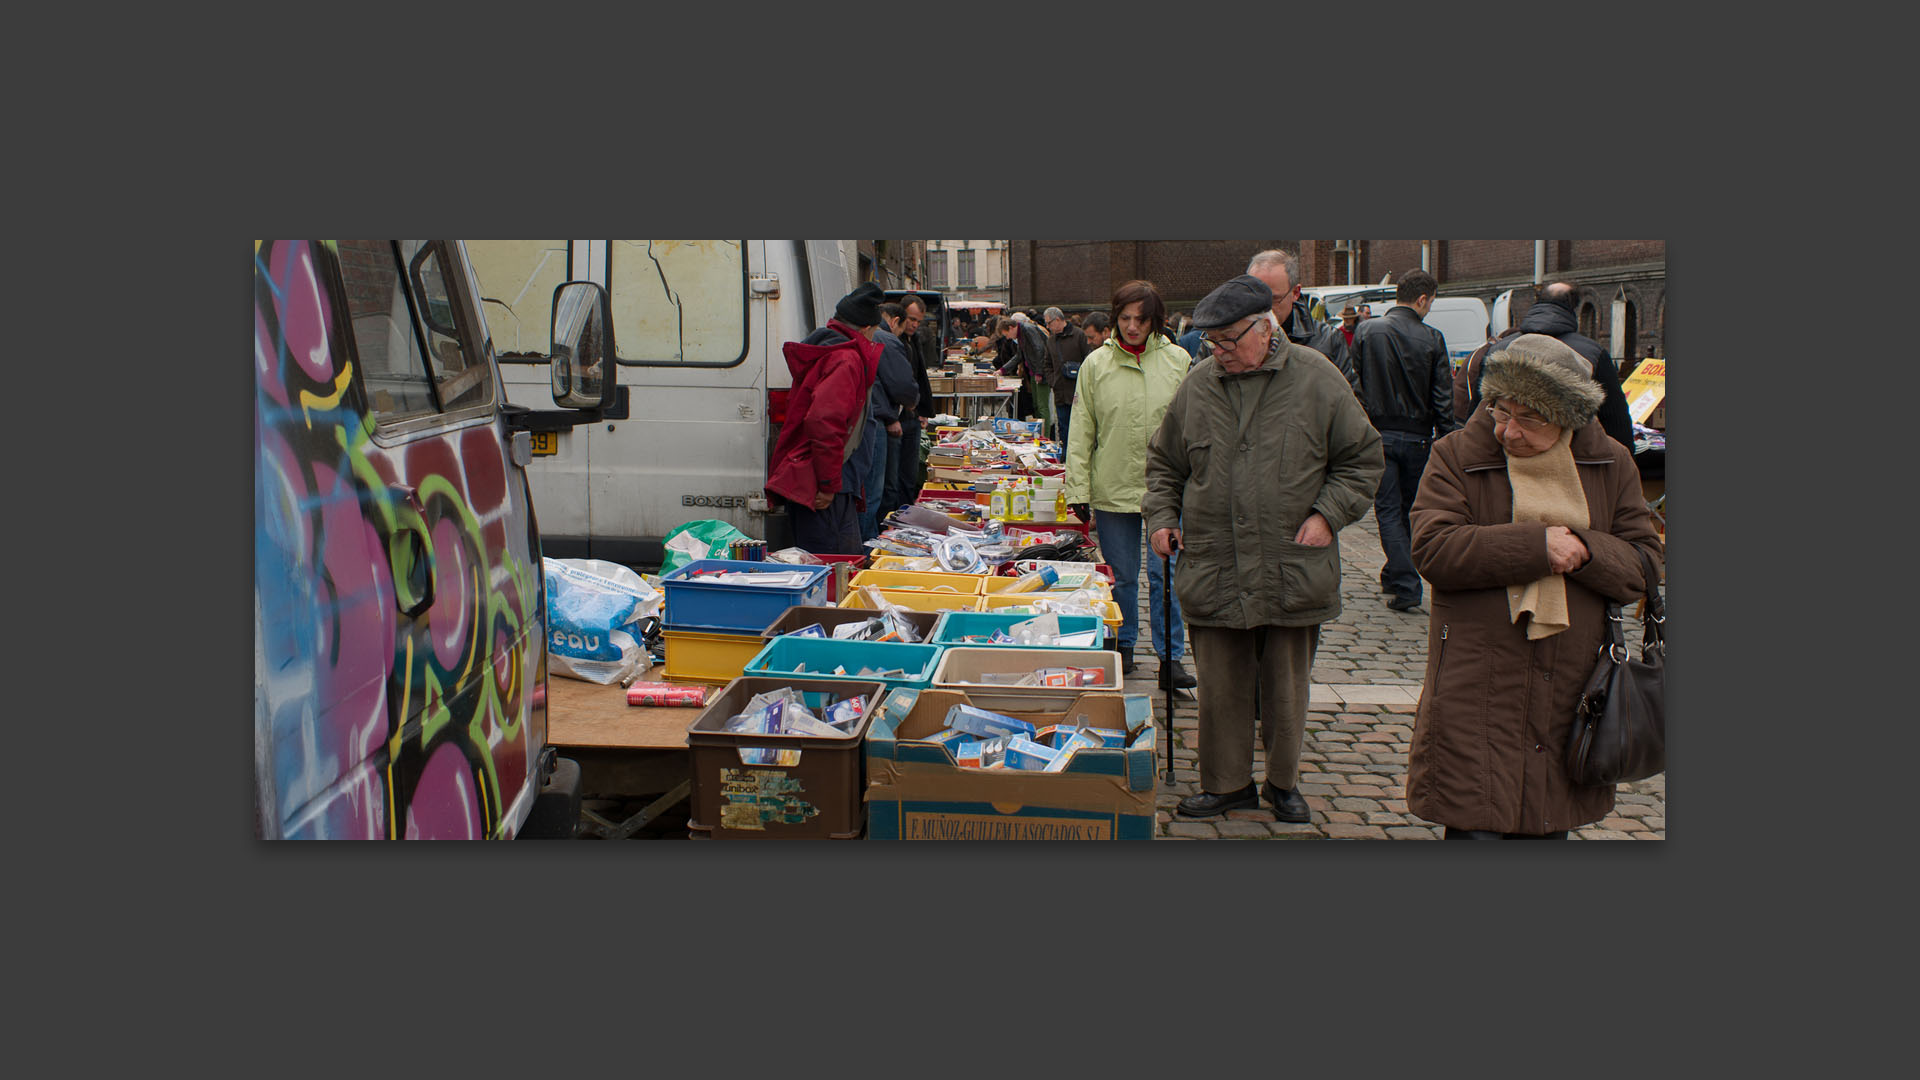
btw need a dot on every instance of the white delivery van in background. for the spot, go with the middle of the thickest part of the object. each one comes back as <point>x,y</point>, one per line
<point>698,326</point>
<point>1462,320</point>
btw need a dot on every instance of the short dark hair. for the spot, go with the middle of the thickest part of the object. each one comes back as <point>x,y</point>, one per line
<point>1143,293</point>
<point>892,310</point>
<point>1561,293</point>
<point>1416,284</point>
<point>912,299</point>
<point>1096,320</point>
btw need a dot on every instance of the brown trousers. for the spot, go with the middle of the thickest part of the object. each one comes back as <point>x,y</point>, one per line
<point>1265,671</point>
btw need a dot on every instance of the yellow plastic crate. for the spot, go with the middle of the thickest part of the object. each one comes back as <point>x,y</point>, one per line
<point>995,586</point>
<point>1002,601</point>
<point>919,581</point>
<point>715,658</point>
<point>920,601</point>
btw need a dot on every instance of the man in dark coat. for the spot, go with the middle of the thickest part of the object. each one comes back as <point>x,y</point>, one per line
<point>1553,314</point>
<point>820,461</point>
<point>1406,384</point>
<point>1069,344</point>
<point>899,393</point>
<point>1281,271</point>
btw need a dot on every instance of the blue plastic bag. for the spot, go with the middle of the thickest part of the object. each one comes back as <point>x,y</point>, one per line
<point>594,609</point>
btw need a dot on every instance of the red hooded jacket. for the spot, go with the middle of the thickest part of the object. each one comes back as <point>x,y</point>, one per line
<point>829,393</point>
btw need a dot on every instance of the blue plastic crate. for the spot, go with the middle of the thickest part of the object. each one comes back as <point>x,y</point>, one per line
<point>954,626</point>
<point>784,655</point>
<point>693,604</point>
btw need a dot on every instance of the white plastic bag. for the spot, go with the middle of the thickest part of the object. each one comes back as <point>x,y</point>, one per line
<point>594,610</point>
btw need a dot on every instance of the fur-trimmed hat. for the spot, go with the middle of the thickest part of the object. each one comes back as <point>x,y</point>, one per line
<point>1546,376</point>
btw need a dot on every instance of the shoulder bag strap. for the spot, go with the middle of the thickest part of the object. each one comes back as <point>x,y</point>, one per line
<point>1655,619</point>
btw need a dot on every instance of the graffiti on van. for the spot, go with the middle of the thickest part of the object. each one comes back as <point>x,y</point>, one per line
<point>372,723</point>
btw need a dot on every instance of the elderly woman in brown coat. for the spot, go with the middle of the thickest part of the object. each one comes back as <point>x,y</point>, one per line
<point>1525,525</point>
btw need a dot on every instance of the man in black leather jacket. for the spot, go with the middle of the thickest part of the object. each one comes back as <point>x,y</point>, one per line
<point>1406,384</point>
<point>1552,314</point>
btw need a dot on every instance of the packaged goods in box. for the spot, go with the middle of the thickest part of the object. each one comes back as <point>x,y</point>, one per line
<point>918,601</point>
<point>911,581</point>
<point>828,618</point>
<point>1031,604</point>
<point>891,662</point>
<point>709,657</point>
<point>918,790</point>
<point>981,627</point>
<point>750,785</point>
<point>994,676</point>
<point>738,597</point>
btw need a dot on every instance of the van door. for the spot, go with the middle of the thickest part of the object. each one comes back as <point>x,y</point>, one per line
<point>1462,320</point>
<point>693,348</point>
<point>398,622</point>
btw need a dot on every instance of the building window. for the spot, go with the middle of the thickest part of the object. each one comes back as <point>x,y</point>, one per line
<point>937,269</point>
<point>966,268</point>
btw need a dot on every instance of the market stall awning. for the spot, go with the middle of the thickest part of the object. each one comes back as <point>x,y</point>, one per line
<point>968,305</point>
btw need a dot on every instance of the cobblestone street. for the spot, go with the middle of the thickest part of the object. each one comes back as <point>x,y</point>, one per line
<point>1353,762</point>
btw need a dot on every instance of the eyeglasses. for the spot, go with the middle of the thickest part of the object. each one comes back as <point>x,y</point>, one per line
<point>1527,423</point>
<point>1230,343</point>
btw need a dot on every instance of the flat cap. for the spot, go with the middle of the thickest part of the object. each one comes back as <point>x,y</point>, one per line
<point>1232,301</point>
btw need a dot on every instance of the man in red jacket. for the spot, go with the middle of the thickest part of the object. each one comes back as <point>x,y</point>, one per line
<point>817,467</point>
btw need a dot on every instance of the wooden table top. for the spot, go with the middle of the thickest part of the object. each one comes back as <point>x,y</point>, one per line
<point>586,714</point>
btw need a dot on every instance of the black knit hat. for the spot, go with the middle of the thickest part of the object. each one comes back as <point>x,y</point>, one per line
<point>1232,301</point>
<point>861,307</point>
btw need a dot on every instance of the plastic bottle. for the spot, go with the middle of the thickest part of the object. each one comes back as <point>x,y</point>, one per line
<point>1060,504</point>
<point>997,502</point>
<point>1038,580</point>
<point>1020,503</point>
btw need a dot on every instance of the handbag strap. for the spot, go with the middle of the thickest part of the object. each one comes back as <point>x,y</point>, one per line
<point>1653,622</point>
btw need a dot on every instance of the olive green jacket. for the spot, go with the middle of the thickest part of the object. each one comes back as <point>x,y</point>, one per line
<point>1239,490</point>
<point>1117,408</point>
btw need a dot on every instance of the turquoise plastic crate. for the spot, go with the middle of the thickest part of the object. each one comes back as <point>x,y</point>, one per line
<point>784,655</point>
<point>693,604</point>
<point>954,626</point>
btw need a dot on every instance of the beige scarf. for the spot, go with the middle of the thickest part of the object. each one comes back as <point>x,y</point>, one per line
<point>1546,487</point>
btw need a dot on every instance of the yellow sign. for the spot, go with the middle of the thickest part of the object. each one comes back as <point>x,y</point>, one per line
<point>546,442</point>
<point>1646,388</point>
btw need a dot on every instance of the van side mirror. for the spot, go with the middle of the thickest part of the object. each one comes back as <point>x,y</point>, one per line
<point>582,352</point>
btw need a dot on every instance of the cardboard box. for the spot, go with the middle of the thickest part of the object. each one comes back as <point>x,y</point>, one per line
<point>916,790</point>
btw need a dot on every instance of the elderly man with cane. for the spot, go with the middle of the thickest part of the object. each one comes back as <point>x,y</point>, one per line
<point>1263,456</point>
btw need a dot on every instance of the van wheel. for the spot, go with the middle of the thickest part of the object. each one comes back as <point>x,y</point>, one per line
<point>556,810</point>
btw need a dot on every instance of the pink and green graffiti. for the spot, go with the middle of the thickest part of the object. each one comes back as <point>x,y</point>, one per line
<point>370,722</point>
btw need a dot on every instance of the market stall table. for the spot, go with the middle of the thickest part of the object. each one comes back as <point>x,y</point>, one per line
<point>997,402</point>
<point>623,750</point>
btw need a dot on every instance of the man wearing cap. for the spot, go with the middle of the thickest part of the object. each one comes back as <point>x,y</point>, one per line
<point>820,461</point>
<point>1069,344</point>
<point>1034,363</point>
<point>1263,456</point>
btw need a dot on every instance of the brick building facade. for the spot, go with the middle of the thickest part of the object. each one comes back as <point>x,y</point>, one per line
<point>1080,275</point>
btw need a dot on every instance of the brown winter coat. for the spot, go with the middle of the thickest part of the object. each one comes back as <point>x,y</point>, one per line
<point>1490,736</point>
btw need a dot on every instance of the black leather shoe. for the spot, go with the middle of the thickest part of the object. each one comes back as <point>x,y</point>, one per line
<point>1288,805</point>
<point>1207,804</point>
<point>1403,603</point>
<point>1126,661</point>
<point>1181,679</point>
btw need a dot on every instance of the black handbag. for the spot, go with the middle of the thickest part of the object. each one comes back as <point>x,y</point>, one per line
<point>1620,724</point>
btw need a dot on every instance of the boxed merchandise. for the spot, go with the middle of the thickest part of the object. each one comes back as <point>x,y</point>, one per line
<point>918,789</point>
<point>831,618</point>
<point>738,597</point>
<point>1014,680</point>
<point>748,782</point>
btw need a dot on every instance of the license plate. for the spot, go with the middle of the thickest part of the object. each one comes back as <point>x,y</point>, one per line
<point>545,442</point>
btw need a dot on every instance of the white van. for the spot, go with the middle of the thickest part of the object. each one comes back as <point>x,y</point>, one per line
<point>698,325</point>
<point>1462,320</point>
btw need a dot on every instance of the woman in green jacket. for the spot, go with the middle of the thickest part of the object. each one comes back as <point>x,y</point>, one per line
<point>1123,390</point>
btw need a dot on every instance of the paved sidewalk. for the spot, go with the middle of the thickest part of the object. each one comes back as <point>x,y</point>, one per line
<point>1353,762</point>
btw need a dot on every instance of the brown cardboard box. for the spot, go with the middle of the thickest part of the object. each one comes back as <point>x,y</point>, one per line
<point>915,791</point>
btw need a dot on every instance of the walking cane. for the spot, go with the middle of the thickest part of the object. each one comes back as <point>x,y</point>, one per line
<point>1166,621</point>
